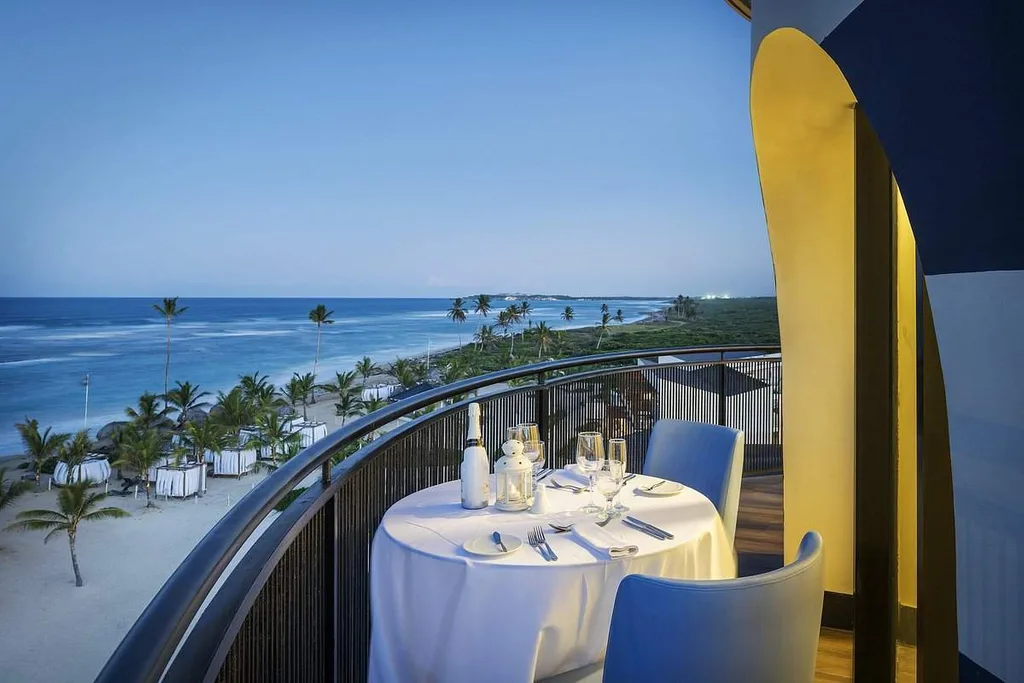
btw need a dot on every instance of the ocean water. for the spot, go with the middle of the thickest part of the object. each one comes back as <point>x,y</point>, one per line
<point>48,345</point>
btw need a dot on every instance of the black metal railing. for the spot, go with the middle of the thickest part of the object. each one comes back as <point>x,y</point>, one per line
<point>286,598</point>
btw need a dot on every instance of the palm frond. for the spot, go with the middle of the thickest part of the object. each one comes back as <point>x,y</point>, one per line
<point>34,525</point>
<point>45,515</point>
<point>105,513</point>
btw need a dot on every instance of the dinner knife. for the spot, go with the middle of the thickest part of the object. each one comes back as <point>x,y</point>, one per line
<point>497,539</point>
<point>546,474</point>
<point>641,528</point>
<point>650,526</point>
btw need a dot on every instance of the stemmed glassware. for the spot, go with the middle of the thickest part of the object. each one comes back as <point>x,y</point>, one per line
<point>617,453</point>
<point>589,456</point>
<point>608,480</point>
<point>533,447</point>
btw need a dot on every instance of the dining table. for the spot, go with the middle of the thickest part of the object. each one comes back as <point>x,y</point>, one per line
<point>443,613</point>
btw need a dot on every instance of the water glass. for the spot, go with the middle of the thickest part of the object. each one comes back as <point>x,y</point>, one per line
<point>608,480</point>
<point>617,453</point>
<point>589,456</point>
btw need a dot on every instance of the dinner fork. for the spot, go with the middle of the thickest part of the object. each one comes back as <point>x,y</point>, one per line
<point>534,543</point>
<point>569,487</point>
<point>539,531</point>
<point>562,528</point>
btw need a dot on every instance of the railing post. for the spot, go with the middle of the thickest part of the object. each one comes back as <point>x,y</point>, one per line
<point>721,389</point>
<point>541,410</point>
<point>332,580</point>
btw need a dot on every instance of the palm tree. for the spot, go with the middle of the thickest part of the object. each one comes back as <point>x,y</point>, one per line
<point>544,337</point>
<point>524,310</point>
<point>605,319</point>
<point>308,382</point>
<point>295,392</point>
<point>185,397</point>
<point>619,317</point>
<point>253,385</point>
<point>149,413</point>
<point>568,314</point>
<point>348,405</point>
<point>482,304</point>
<point>275,435</point>
<point>515,316</point>
<point>74,452</point>
<point>10,492</point>
<point>75,505</point>
<point>366,368</point>
<point>485,337</point>
<point>408,372</point>
<point>39,447</point>
<point>344,383</point>
<point>140,449</point>
<point>207,436</point>
<point>458,314</point>
<point>169,310</point>
<point>453,372</point>
<point>689,308</point>
<point>678,304</point>
<point>604,308</point>
<point>374,403</point>
<point>232,411</point>
<point>321,316</point>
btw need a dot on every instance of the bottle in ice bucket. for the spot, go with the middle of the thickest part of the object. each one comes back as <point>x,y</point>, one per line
<point>476,470</point>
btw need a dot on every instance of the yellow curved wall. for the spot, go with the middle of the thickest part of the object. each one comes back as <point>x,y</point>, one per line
<point>802,112</point>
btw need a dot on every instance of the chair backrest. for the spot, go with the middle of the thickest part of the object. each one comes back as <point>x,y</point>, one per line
<point>758,628</point>
<point>705,457</point>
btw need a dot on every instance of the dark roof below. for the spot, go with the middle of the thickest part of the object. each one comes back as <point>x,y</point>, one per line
<point>709,378</point>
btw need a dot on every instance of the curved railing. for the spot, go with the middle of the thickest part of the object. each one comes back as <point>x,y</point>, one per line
<point>295,604</point>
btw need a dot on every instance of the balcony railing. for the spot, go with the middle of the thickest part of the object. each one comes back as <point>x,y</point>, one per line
<point>286,598</point>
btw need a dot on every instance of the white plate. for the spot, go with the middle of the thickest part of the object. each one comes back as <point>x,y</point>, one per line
<point>486,547</point>
<point>669,488</point>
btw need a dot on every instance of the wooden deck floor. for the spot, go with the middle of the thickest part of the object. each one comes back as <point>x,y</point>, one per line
<point>759,546</point>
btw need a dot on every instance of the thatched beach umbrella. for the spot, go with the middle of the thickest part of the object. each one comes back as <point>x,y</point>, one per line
<point>109,431</point>
<point>197,415</point>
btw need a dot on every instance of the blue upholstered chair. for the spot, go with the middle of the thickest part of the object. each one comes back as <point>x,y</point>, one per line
<point>760,628</point>
<point>705,457</point>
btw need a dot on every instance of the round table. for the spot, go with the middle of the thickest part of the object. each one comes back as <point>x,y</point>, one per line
<point>442,614</point>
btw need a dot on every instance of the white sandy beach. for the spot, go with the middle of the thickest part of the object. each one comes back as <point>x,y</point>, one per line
<point>55,632</point>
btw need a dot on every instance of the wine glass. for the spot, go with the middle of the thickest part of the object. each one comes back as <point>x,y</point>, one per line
<point>608,481</point>
<point>617,453</point>
<point>529,430</point>
<point>515,432</point>
<point>534,452</point>
<point>589,454</point>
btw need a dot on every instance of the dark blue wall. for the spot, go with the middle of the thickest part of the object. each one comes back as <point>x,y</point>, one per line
<point>942,82</point>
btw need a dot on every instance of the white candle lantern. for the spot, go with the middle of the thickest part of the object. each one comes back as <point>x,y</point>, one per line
<point>513,475</point>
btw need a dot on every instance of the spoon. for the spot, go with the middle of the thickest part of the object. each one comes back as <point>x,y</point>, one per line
<point>497,539</point>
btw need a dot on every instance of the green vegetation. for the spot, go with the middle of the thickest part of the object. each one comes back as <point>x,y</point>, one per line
<point>716,321</point>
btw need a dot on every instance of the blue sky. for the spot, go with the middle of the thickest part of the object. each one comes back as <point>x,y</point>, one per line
<point>377,149</point>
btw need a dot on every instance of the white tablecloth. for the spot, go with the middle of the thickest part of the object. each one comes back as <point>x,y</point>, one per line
<point>181,482</point>
<point>96,470</point>
<point>234,462</point>
<point>440,614</point>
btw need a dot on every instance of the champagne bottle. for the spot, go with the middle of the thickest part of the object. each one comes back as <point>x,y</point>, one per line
<point>476,470</point>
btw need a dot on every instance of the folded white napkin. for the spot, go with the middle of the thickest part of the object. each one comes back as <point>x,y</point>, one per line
<point>602,541</point>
